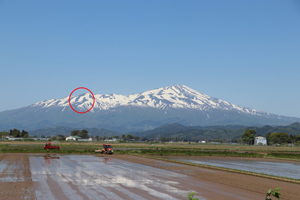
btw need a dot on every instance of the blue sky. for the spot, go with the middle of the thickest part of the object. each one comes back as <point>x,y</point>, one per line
<point>245,52</point>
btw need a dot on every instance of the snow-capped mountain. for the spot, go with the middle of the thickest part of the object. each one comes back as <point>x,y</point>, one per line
<point>176,96</point>
<point>137,112</point>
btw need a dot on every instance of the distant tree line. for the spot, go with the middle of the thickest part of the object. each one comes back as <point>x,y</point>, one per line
<point>282,138</point>
<point>130,137</point>
<point>249,136</point>
<point>16,133</point>
<point>84,134</point>
<point>272,138</point>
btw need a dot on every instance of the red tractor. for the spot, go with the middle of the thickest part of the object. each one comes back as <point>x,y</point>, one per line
<point>53,146</point>
<point>106,149</point>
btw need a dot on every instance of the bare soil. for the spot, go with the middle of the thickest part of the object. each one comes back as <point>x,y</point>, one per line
<point>15,177</point>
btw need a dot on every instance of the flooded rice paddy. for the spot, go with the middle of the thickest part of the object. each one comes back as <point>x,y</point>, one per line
<point>90,177</point>
<point>282,169</point>
<point>60,177</point>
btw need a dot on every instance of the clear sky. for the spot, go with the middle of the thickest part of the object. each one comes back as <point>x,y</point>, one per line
<point>245,52</point>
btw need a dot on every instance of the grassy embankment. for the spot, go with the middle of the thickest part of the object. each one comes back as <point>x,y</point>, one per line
<point>157,149</point>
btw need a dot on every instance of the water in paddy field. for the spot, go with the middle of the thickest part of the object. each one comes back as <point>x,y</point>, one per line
<point>91,177</point>
<point>283,169</point>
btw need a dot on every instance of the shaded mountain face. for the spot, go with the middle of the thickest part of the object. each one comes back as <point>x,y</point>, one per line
<point>138,112</point>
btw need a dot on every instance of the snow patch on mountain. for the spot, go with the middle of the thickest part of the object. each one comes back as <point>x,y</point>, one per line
<point>176,96</point>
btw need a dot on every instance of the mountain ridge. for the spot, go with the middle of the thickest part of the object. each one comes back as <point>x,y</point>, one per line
<point>138,112</point>
<point>175,96</point>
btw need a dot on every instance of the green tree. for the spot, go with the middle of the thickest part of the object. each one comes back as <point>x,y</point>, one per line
<point>3,133</point>
<point>75,133</point>
<point>15,133</point>
<point>123,137</point>
<point>61,137</point>
<point>268,138</point>
<point>24,134</point>
<point>130,137</point>
<point>84,134</point>
<point>249,136</point>
<point>292,139</point>
<point>298,138</point>
<point>279,138</point>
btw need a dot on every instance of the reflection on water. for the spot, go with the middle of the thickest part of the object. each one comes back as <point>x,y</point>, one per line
<point>49,158</point>
<point>103,178</point>
<point>289,170</point>
<point>106,161</point>
<point>10,171</point>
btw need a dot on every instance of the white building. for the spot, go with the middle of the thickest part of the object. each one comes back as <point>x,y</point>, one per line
<point>86,140</point>
<point>12,138</point>
<point>111,140</point>
<point>260,139</point>
<point>74,138</point>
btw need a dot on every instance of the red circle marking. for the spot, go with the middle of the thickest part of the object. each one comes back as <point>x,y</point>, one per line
<point>84,89</point>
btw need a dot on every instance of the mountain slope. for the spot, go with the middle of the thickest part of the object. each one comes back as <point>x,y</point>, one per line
<point>176,96</point>
<point>208,133</point>
<point>138,112</point>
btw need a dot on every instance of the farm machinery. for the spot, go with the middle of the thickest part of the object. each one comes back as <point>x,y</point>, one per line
<point>106,149</point>
<point>54,145</point>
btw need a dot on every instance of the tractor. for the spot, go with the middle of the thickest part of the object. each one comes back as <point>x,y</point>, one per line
<point>106,149</point>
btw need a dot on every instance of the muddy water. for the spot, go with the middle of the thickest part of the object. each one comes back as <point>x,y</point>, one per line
<point>91,177</point>
<point>124,177</point>
<point>15,177</point>
<point>290,170</point>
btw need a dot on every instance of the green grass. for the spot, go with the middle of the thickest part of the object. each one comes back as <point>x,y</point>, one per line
<point>156,149</point>
<point>39,148</point>
<point>284,155</point>
<point>176,152</point>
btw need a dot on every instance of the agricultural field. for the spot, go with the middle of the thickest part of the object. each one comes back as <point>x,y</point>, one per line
<point>145,171</point>
<point>279,152</point>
